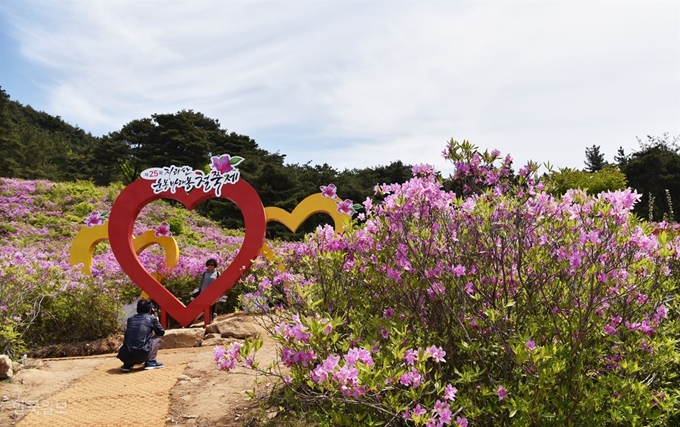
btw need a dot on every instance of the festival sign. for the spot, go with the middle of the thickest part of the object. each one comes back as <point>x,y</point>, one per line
<point>189,187</point>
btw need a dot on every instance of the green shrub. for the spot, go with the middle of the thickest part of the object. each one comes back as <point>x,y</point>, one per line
<point>20,306</point>
<point>610,178</point>
<point>176,225</point>
<point>82,210</point>
<point>82,312</point>
<point>11,341</point>
<point>7,229</point>
<point>73,192</point>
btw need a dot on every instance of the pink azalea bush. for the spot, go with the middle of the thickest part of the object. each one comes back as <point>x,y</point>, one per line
<point>538,310</point>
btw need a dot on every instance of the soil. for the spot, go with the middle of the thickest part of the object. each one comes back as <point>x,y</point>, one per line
<point>77,385</point>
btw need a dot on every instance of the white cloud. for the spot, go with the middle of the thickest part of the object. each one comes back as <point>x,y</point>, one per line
<point>357,84</point>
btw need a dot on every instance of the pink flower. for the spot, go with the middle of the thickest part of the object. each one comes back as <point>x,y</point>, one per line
<point>450,392</point>
<point>355,355</point>
<point>345,207</point>
<point>412,378</point>
<point>227,364</point>
<point>163,230</point>
<point>458,270</point>
<point>410,357</point>
<point>218,352</point>
<point>423,170</point>
<point>436,353</point>
<point>502,393</point>
<point>329,191</point>
<point>662,311</point>
<point>320,374</point>
<point>330,364</point>
<point>221,163</point>
<point>95,218</point>
<point>418,410</point>
<point>531,345</point>
<point>347,376</point>
<point>250,360</point>
<point>436,289</point>
<point>469,288</point>
<point>444,415</point>
<point>461,422</point>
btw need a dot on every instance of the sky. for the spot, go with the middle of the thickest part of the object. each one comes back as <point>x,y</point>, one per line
<point>359,84</point>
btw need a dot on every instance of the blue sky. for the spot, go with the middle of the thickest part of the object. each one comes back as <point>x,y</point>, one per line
<point>359,84</point>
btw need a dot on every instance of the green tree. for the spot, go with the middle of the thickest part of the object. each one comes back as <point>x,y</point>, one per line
<point>125,148</point>
<point>46,147</point>
<point>594,159</point>
<point>620,157</point>
<point>654,171</point>
<point>182,139</point>
<point>12,152</point>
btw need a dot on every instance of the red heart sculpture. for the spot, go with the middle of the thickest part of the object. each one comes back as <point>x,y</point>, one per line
<point>138,194</point>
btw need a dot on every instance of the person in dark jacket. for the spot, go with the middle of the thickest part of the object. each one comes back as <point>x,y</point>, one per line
<point>142,338</point>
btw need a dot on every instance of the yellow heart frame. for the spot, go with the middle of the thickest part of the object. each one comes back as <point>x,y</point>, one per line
<point>316,203</point>
<point>87,239</point>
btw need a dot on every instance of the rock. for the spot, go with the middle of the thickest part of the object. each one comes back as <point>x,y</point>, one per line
<point>211,336</point>
<point>28,364</point>
<point>34,377</point>
<point>182,338</point>
<point>5,367</point>
<point>232,328</point>
<point>212,342</point>
<point>241,331</point>
<point>214,327</point>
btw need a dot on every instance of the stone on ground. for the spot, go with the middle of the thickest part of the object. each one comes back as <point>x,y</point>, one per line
<point>182,338</point>
<point>232,328</point>
<point>5,367</point>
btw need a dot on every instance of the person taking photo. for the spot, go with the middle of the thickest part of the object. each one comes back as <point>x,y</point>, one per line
<point>142,338</point>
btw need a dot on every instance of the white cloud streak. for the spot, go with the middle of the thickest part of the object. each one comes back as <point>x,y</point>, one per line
<point>357,84</point>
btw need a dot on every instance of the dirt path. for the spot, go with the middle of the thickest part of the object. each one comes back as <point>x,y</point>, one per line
<point>107,395</point>
<point>92,391</point>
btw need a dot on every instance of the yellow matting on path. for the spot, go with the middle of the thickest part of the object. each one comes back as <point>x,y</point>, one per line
<point>109,397</point>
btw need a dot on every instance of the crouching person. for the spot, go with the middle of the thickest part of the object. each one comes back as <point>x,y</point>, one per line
<point>142,338</point>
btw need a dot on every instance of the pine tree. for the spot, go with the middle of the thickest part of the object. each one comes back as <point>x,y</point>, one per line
<point>620,157</point>
<point>10,160</point>
<point>594,159</point>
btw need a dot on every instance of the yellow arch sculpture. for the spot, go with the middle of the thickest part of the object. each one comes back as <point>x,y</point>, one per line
<point>87,239</point>
<point>309,206</point>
